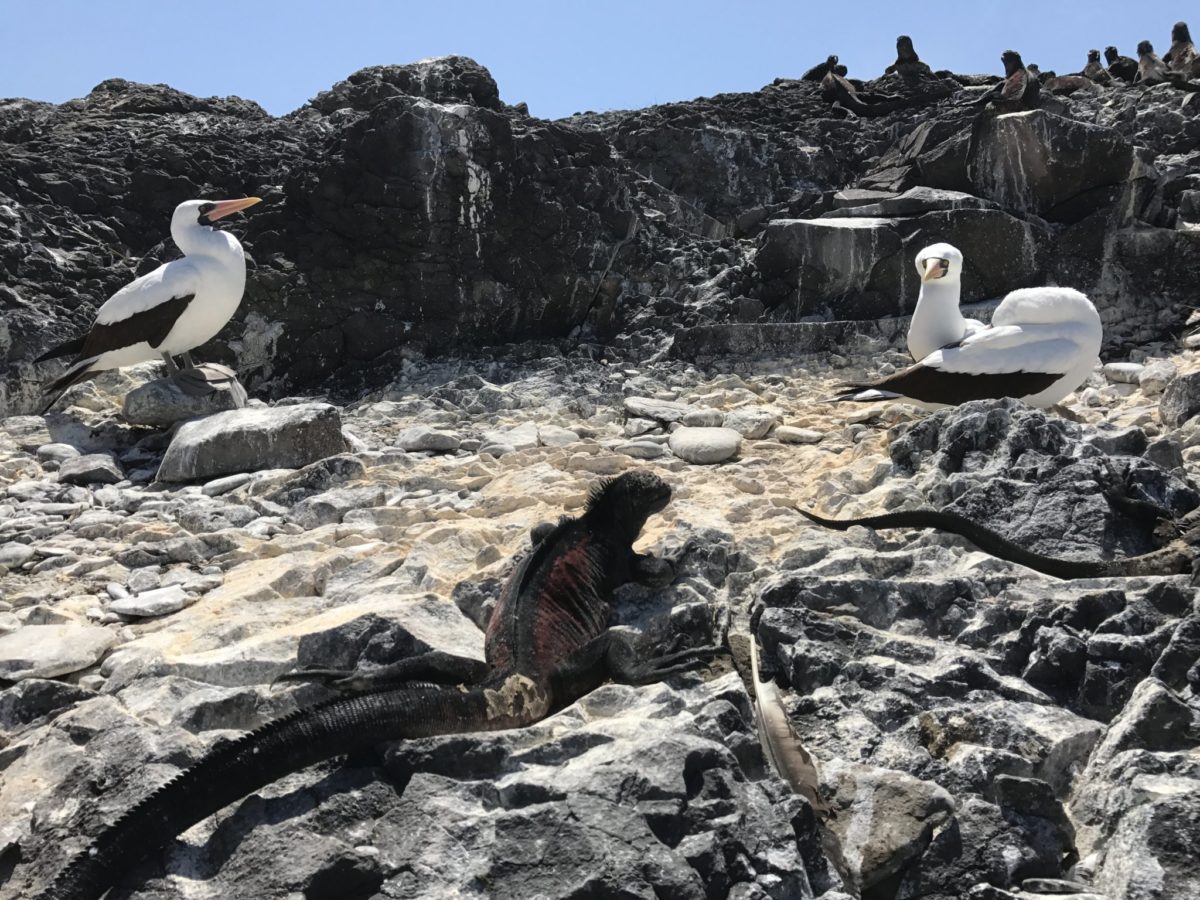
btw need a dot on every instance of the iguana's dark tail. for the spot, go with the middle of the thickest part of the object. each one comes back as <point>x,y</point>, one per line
<point>983,538</point>
<point>234,769</point>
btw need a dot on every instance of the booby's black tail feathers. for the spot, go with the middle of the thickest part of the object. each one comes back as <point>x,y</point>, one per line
<point>70,348</point>
<point>73,376</point>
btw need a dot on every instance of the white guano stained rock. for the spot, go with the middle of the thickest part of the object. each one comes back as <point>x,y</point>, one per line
<point>247,440</point>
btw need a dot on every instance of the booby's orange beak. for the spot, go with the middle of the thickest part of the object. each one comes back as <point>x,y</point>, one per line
<point>223,208</point>
<point>935,267</point>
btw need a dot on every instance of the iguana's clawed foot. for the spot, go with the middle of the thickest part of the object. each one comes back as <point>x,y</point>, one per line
<point>660,667</point>
<point>435,667</point>
<point>346,681</point>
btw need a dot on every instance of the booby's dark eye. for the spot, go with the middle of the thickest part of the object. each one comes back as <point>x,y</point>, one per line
<point>205,209</point>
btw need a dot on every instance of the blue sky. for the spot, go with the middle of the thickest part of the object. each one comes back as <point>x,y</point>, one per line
<point>558,57</point>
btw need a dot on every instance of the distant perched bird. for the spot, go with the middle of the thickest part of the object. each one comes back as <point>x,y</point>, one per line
<point>1041,345</point>
<point>1095,69</point>
<point>937,320</point>
<point>170,311</point>
<point>1018,91</point>
<point>1182,56</point>
<point>907,64</point>
<point>1119,66</point>
<point>1151,69</point>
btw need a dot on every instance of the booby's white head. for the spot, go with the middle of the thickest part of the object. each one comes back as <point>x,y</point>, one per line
<point>202,213</point>
<point>193,220</point>
<point>940,262</point>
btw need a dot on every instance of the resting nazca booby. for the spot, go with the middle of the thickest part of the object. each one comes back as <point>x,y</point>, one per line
<point>170,311</point>
<point>937,320</point>
<point>1041,345</point>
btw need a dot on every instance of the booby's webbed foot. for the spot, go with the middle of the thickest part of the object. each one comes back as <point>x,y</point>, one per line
<point>172,369</point>
<point>207,378</point>
<point>435,667</point>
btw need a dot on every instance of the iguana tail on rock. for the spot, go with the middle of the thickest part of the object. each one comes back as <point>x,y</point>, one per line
<point>547,645</point>
<point>1177,558</point>
<point>234,769</point>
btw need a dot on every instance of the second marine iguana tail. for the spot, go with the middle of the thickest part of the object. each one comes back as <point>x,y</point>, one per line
<point>1179,557</point>
<point>548,643</point>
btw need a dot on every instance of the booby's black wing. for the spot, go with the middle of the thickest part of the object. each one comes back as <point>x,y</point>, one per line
<point>932,385</point>
<point>150,325</point>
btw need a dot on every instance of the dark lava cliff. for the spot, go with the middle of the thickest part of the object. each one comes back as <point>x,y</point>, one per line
<point>411,212</point>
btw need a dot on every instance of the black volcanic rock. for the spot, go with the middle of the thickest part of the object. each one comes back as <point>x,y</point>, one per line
<point>411,211</point>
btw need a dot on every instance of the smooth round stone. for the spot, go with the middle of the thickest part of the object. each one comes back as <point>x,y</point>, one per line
<point>422,437</point>
<point>704,418</point>
<point>789,434</point>
<point>57,452</point>
<point>14,555</point>
<point>704,446</point>
<point>751,423</point>
<point>1123,372</point>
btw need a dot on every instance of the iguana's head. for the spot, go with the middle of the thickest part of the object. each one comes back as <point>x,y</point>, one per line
<point>628,500</point>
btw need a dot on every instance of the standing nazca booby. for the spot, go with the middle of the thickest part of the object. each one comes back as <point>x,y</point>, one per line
<point>170,311</point>
<point>1042,344</point>
<point>937,320</point>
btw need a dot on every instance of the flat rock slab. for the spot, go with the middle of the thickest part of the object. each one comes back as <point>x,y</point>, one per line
<point>658,410</point>
<point>704,446</point>
<point>163,402</point>
<point>47,651</point>
<point>789,434</point>
<point>158,602</point>
<point>94,468</point>
<point>247,440</point>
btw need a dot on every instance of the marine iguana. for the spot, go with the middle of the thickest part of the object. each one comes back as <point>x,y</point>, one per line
<point>1095,69</point>
<point>1152,70</point>
<point>908,64</point>
<point>1119,66</point>
<point>1178,557</point>
<point>1182,56</point>
<point>838,90</point>
<point>548,643</point>
<point>1019,91</point>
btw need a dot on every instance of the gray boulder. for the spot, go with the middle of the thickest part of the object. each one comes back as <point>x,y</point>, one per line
<point>162,402</point>
<point>1181,400</point>
<point>94,468</point>
<point>1058,168</point>
<point>247,440</point>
